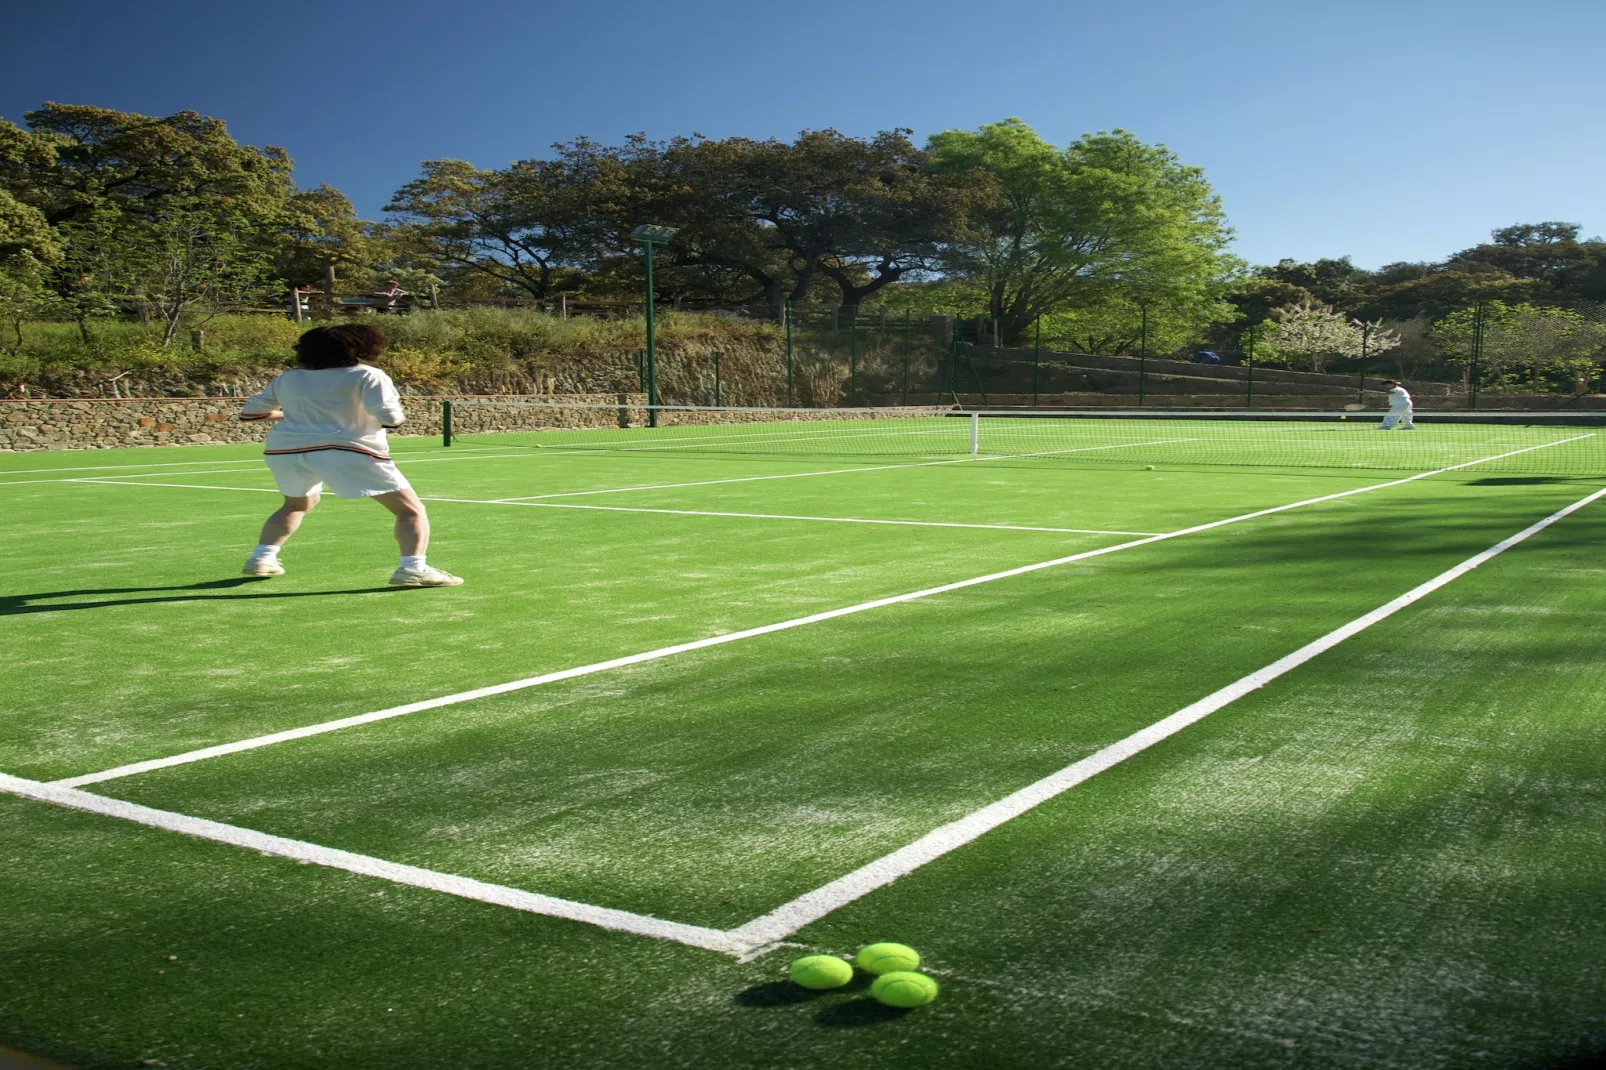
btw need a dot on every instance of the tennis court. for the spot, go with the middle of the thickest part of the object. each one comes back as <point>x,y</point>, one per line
<point>1168,741</point>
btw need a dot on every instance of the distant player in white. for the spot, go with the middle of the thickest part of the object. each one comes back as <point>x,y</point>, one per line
<point>1400,411</point>
<point>330,416</point>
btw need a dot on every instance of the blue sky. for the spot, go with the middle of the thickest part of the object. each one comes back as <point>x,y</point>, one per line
<point>1386,131</point>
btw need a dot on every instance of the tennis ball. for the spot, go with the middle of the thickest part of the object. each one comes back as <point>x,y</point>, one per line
<point>902,988</point>
<point>820,971</point>
<point>885,958</point>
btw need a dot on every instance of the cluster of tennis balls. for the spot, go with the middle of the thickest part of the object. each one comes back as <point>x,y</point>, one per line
<point>892,965</point>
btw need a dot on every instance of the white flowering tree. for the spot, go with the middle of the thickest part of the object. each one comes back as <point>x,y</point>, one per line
<point>1312,336</point>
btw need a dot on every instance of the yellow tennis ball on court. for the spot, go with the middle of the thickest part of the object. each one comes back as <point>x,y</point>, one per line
<point>901,988</point>
<point>820,971</point>
<point>885,958</point>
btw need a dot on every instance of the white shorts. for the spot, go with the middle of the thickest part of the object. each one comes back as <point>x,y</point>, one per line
<point>348,474</point>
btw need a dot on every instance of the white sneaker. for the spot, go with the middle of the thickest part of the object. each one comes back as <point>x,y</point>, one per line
<point>262,566</point>
<point>428,576</point>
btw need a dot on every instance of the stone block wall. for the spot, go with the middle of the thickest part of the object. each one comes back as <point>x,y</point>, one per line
<point>108,423</point>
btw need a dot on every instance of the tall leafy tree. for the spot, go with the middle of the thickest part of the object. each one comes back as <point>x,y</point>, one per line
<point>521,225</point>
<point>1055,229</point>
<point>77,160</point>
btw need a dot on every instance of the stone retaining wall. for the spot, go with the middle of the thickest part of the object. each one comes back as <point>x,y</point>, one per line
<point>108,423</point>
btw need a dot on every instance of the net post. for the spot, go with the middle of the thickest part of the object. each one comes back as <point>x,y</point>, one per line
<point>446,422</point>
<point>975,433</point>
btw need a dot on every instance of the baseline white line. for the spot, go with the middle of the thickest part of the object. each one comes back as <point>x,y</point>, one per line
<point>810,907</point>
<point>231,460</point>
<point>788,516</point>
<point>400,459</point>
<point>364,865</point>
<point>307,731</point>
<point>845,471</point>
<point>185,486</point>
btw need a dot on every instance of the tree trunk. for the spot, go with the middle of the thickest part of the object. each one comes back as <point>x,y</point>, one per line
<point>329,290</point>
<point>83,327</point>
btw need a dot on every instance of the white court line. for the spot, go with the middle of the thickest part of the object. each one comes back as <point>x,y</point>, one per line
<point>785,920</point>
<point>364,865</point>
<point>186,486</point>
<point>403,459</point>
<point>843,471</point>
<point>227,460</point>
<point>671,512</point>
<point>785,516</point>
<point>306,731</point>
<point>764,931</point>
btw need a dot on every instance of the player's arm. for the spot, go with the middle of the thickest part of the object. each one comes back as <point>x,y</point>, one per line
<point>383,403</point>
<point>263,405</point>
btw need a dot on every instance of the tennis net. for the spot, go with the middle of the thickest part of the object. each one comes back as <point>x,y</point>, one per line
<point>1571,444</point>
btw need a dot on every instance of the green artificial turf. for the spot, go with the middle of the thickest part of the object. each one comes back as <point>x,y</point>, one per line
<point>1389,857</point>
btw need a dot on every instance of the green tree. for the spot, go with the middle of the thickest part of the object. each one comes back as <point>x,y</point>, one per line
<point>520,226</point>
<point>321,233</point>
<point>1051,230</point>
<point>1524,345</point>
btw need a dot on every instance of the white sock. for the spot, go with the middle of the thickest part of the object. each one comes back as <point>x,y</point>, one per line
<point>264,552</point>
<point>415,562</point>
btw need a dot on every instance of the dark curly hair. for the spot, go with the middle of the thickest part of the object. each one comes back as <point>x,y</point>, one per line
<point>339,347</point>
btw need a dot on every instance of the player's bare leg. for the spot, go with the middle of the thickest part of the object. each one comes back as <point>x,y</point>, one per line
<point>412,539</point>
<point>264,560</point>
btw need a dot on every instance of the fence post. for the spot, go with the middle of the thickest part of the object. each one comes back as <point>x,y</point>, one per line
<point>1477,356</point>
<point>446,423</point>
<point>789,352</point>
<point>853,357</point>
<point>1249,372</point>
<point>903,399</point>
<point>1037,355</point>
<point>1143,352</point>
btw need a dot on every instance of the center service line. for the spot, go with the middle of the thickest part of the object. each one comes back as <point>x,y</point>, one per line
<point>713,641</point>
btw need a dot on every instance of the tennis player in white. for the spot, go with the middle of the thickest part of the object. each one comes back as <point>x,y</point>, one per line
<point>330,416</point>
<point>1400,410</point>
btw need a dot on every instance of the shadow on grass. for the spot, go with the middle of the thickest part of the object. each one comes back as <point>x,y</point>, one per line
<point>859,1013</point>
<point>1526,481</point>
<point>776,994</point>
<point>15,604</point>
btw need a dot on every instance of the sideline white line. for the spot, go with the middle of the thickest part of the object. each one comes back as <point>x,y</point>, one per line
<point>810,907</point>
<point>844,471</point>
<point>364,865</point>
<point>787,516</point>
<point>764,931</point>
<point>306,731</point>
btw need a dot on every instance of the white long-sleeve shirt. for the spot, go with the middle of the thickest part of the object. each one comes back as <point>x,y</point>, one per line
<point>1398,398</point>
<point>329,409</point>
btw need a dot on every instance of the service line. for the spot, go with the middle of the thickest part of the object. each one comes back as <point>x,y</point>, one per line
<point>667,512</point>
<point>306,731</point>
<point>748,940</point>
<point>785,516</point>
